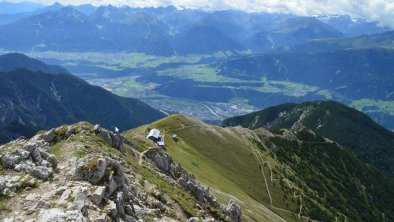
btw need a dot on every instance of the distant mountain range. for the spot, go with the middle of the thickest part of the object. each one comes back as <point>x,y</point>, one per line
<point>381,40</point>
<point>351,128</point>
<point>348,75</point>
<point>34,96</point>
<point>166,31</point>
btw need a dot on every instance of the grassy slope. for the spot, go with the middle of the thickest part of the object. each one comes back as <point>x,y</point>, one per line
<point>219,158</point>
<point>327,181</point>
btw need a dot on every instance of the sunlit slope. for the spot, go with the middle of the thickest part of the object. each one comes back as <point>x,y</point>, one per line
<point>224,159</point>
<point>292,176</point>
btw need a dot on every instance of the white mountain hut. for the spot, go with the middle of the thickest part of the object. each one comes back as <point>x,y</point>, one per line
<point>155,136</point>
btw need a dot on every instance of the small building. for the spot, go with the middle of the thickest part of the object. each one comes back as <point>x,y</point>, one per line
<point>161,143</point>
<point>155,136</point>
<point>175,137</point>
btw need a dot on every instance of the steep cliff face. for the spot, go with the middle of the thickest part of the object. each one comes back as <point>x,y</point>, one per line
<point>85,173</point>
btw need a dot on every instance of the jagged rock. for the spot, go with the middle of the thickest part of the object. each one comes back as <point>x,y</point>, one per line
<point>31,211</point>
<point>22,167</point>
<point>42,204</point>
<point>3,183</point>
<point>44,163</point>
<point>141,211</point>
<point>56,214</point>
<point>97,195</point>
<point>59,191</point>
<point>52,160</point>
<point>49,136</point>
<point>201,193</point>
<point>112,186</point>
<point>65,196</point>
<point>34,151</point>
<point>129,210</point>
<point>164,162</point>
<point>111,208</point>
<point>233,210</point>
<point>114,140</point>
<point>42,172</point>
<point>10,161</point>
<point>120,204</point>
<point>22,153</point>
<point>8,192</point>
<point>80,194</point>
<point>105,135</point>
<point>95,171</point>
<point>70,131</point>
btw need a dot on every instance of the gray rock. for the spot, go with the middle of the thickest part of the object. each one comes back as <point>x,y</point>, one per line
<point>94,175</point>
<point>117,141</point>
<point>114,140</point>
<point>3,183</point>
<point>22,167</point>
<point>56,214</point>
<point>80,193</point>
<point>70,131</point>
<point>111,208</point>
<point>44,163</point>
<point>34,151</point>
<point>22,153</point>
<point>49,136</point>
<point>53,160</point>
<point>129,210</point>
<point>42,172</point>
<point>120,204</point>
<point>10,161</point>
<point>59,191</point>
<point>164,162</point>
<point>32,197</point>
<point>31,211</point>
<point>112,186</point>
<point>9,192</point>
<point>42,204</point>
<point>97,195</point>
<point>106,136</point>
<point>233,210</point>
<point>99,218</point>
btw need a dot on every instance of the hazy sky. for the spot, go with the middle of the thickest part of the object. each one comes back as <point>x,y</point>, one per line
<point>379,10</point>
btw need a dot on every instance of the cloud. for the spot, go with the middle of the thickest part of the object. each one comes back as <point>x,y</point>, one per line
<point>377,10</point>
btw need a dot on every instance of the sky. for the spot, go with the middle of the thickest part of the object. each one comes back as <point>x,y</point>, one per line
<point>376,10</point>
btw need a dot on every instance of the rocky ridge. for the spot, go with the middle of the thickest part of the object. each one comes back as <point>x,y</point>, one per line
<point>85,173</point>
